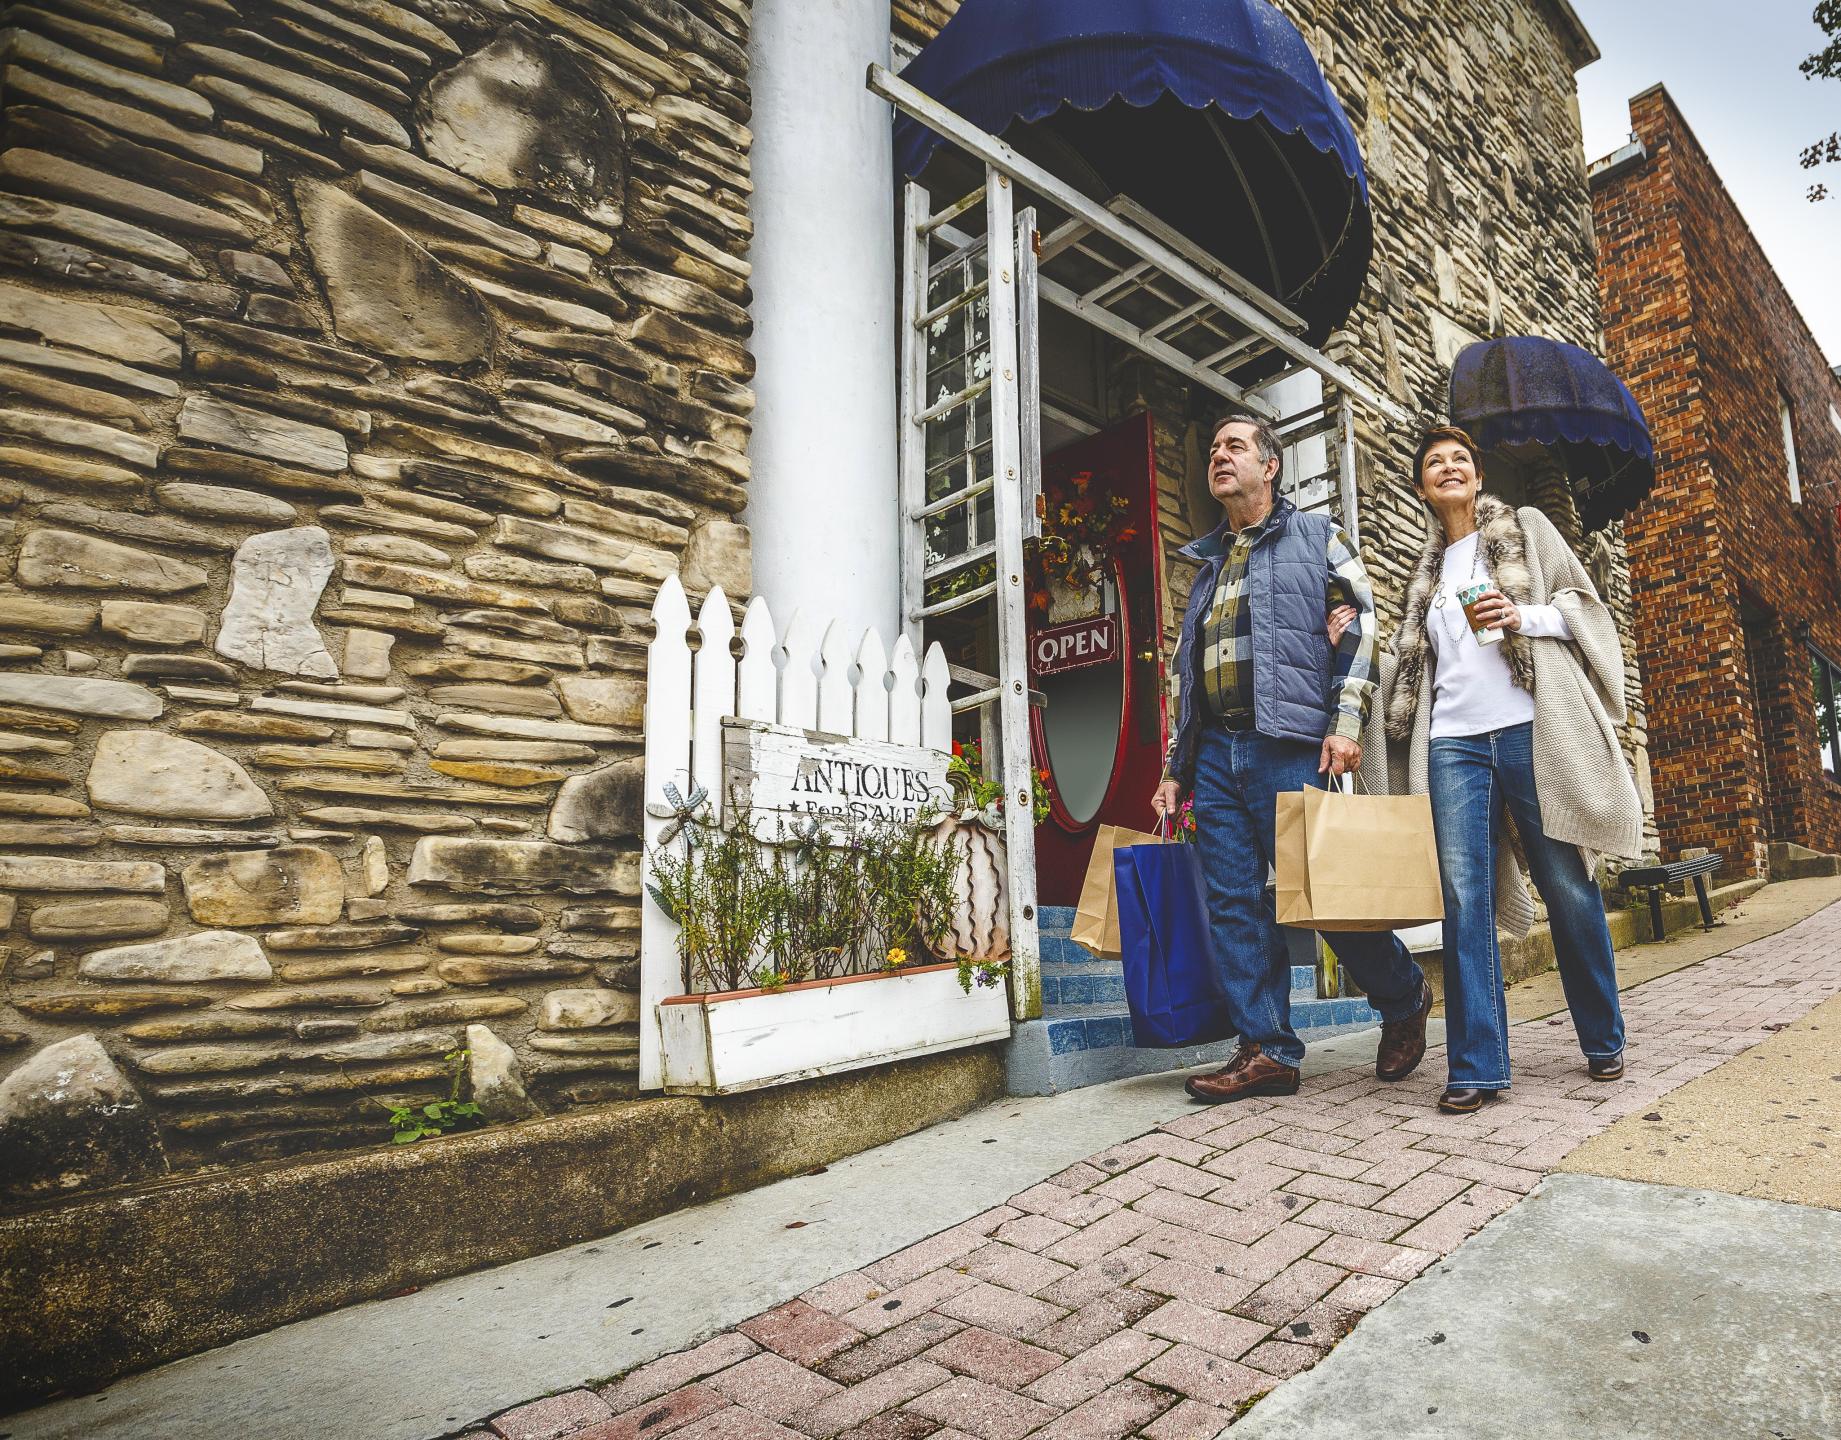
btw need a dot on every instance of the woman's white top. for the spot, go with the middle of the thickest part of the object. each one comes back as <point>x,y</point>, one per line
<point>1472,690</point>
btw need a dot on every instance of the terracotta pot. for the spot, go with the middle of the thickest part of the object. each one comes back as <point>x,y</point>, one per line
<point>980,929</point>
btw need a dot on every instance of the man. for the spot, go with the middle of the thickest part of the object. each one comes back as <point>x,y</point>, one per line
<point>1270,704</point>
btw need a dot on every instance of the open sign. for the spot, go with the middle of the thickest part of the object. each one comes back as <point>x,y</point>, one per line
<point>1073,646</point>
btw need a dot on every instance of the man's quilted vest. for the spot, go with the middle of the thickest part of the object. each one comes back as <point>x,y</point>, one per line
<point>1288,576</point>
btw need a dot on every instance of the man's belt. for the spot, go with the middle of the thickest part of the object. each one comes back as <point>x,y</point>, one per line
<point>1241,720</point>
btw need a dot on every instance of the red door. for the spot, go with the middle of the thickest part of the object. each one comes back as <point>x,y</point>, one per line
<point>1101,733</point>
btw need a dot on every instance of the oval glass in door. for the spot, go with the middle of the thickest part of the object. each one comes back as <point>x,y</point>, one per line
<point>1098,664</point>
<point>1083,706</point>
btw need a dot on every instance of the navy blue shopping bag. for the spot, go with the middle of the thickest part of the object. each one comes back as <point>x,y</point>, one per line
<point>1165,946</point>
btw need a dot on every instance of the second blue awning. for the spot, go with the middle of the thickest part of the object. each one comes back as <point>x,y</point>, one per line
<point>1527,390</point>
<point>1212,114</point>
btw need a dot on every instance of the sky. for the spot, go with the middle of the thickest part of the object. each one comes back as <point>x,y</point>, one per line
<point>1731,66</point>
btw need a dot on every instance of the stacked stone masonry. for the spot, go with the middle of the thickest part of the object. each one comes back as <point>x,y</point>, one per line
<point>1711,344</point>
<point>1468,119</point>
<point>364,365</point>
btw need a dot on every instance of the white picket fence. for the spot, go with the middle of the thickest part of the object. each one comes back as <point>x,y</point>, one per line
<point>792,677</point>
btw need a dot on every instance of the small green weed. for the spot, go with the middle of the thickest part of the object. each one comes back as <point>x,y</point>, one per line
<point>410,1123</point>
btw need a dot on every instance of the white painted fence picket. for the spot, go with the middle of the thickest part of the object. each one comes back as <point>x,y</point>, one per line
<point>782,677</point>
<point>872,697</point>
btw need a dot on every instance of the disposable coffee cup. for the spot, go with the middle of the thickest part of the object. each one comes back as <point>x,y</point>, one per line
<point>1468,597</point>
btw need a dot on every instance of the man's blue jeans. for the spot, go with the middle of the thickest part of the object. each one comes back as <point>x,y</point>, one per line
<point>1471,779</point>
<point>1238,778</point>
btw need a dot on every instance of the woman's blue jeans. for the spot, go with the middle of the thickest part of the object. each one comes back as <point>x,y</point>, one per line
<point>1472,778</point>
<point>1238,779</point>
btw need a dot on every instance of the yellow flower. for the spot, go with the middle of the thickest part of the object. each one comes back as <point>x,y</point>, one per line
<point>897,957</point>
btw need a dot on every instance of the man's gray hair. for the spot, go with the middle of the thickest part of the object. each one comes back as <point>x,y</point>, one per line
<point>1264,436</point>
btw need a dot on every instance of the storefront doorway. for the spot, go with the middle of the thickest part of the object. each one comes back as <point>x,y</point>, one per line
<point>1096,656</point>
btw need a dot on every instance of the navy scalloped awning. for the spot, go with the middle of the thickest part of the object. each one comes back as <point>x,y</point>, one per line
<point>1212,114</point>
<point>1525,390</point>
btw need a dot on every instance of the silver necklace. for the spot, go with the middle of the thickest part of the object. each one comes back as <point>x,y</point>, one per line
<point>1476,561</point>
<point>1476,564</point>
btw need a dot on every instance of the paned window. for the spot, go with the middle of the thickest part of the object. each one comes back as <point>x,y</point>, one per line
<point>1825,675</point>
<point>1789,448</point>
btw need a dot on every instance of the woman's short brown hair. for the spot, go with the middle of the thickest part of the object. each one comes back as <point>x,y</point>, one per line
<point>1438,435</point>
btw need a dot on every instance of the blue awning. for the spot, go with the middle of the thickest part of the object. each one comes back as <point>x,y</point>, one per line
<point>1212,114</point>
<point>1526,390</point>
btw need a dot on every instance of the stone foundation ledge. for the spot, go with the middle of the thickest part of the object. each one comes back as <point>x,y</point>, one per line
<point>122,1282</point>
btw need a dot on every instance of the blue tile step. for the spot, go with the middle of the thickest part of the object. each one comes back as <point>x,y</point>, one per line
<point>1084,1036</point>
<point>1102,982</point>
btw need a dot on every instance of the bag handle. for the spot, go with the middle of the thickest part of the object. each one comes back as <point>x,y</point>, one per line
<point>1357,785</point>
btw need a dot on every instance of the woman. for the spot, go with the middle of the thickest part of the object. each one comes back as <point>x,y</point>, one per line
<point>1515,740</point>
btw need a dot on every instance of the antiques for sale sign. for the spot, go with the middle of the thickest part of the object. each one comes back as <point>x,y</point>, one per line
<point>786,775</point>
<point>1075,646</point>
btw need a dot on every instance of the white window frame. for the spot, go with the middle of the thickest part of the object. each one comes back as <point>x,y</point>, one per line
<point>1789,448</point>
<point>1827,678</point>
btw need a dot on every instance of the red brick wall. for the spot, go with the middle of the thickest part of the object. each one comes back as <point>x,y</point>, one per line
<point>1699,325</point>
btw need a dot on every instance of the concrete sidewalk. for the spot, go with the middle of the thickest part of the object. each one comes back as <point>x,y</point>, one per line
<point>1597,1308</point>
<point>1154,1284</point>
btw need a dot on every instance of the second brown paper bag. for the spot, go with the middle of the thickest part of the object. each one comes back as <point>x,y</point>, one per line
<point>1096,918</point>
<point>1356,862</point>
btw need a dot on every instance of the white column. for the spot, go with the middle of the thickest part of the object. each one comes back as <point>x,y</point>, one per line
<point>822,500</point>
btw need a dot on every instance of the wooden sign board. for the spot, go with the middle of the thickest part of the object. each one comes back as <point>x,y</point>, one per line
<point>787,775</point>
<point>1075,646</point>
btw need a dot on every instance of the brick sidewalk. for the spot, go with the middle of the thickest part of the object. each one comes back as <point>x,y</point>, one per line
<point>1155,1288</point>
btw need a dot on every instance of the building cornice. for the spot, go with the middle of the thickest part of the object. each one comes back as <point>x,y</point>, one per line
<point>1582,49</point>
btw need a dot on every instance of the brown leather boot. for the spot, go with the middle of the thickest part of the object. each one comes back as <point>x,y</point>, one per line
<point>1403,1040</point>
<point>1248,1073</point>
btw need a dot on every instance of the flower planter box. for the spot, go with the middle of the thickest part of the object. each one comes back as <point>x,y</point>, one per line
<point>746,1039</point>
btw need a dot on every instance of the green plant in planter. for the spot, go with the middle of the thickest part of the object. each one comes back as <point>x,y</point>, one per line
<point>985,974</point>
<point>821,899</point>
<point>831,897</point>
<point>770,977</point>
<point>723,897</point>
<point>908,884</point>
<point>410,1123</point>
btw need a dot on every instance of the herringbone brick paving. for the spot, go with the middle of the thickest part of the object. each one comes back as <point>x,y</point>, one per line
<point>1160,1285</point>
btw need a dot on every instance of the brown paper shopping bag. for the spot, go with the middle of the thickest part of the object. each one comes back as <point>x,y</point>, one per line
<point>1356,862</point>
<point>1096,918</point>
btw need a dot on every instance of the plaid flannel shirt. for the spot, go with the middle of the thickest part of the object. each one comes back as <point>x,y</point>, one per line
<point>1226,661</point>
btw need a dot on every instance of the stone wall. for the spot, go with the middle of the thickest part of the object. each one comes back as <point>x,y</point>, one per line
<point>1704,332</point>
<point>365,366</point>
<point>1467,116</point>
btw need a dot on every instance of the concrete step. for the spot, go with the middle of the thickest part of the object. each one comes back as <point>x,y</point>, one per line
<point>1084,1036</point>
<point>1080,1045</point>
<point>1790,861</point>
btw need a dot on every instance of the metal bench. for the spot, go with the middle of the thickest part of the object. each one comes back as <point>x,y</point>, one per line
<point>1657,878</point>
